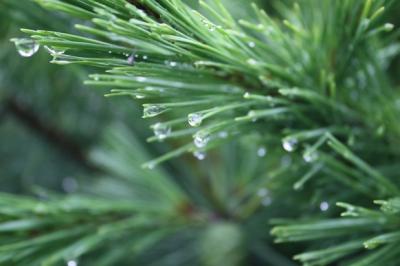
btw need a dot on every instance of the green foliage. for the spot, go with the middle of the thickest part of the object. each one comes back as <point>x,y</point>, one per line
<point>314,77</point>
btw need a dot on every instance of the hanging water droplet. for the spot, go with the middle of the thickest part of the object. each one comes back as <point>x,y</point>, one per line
<point>200,155</point>
<point>26,47</point>
<point>153,110</point>
<point>324,206</point>
<point>140,96</point>
<point>195,119</point>
<point>69,184</point>
<point>252,62</point>
<point>310,156</point>
<point>261,152</point>
<point>145,57</point>
<point>149,165</point>
<point>262,192</point>
<point>223,134</point>
<point>253,115</point>
<point>246,95</point>
<point>201,139</point>
<point>252,44</point>
<point>161,131</point>
<point>72,263</point>
<point>266,201</point>
<point>141,79</point>
<point>173,64</point>
<point>289,144</point>
<point>131,59</point>
<point>54,51</point>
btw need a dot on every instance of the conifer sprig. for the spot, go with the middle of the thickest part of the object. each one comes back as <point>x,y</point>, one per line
<point>311,78</point>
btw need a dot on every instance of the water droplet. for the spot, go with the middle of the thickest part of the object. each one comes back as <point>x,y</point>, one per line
<point>310,156</point>
<point>388,26</point>
<point>161,131</point>
<point>141,79</point>
<point>26,47</point>
<point>201,139</point>
<point>195,119</point>
<point>262,192</point>
<point>200,155</point>
<point>150,165</point>
<point>252,44</point>
<point>246,95</point>
<point>131,59</point>
<point>69,184</point>
<point>289,144</point>
<point>153,110</point>
<point>252,62</point>
<point>173,64</point>
<point>209,25</point>
<point>261,152</point>
<point>140,96</point>
<point>266,201</point>
<point>54,50</point>
<point>324,206</point>
<point>145,57</point>
<point>72,263</point>
<point>223,134</point>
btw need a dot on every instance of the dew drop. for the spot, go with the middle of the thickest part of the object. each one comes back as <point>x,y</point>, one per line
<point>145,57</point>
<point>252,44</point>
<point>261,152</point>
<point>150,165</point>
<point>252,62</point>
<point>141,79</point>
<point>246,95</point>
<point>310,156</point>
<point>266,201</point>
<point>72,263</point>
<point>173,64</point>
<point>324,206</point>
<point>161,131</point>
<point>54,51</point>
<point>131,59</point>
<point>153,110</point>
<point>223,134</point>
<point>26,47</point>
<point>140,96</point>
<point>69,184</point>
<point>200,155</point>
<point>195,119</point>
<point>262,192</point>
<point>201,140</point>
<point>289,144</point>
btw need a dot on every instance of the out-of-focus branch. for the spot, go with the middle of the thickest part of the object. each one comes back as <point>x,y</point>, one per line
<point>49,133</point>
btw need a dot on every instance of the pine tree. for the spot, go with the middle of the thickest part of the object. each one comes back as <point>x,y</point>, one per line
<point>276,134</point>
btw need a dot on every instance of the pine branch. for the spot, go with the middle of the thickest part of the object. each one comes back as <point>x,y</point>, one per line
<point>311,80</point>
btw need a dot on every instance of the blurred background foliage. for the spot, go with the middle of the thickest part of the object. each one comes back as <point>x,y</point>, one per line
<point>49,120</point>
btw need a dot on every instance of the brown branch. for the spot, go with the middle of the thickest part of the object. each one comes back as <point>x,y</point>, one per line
<point>49,133</point>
